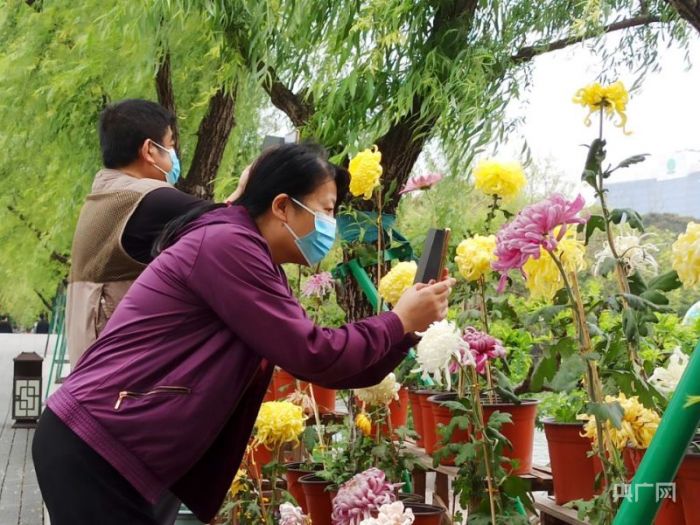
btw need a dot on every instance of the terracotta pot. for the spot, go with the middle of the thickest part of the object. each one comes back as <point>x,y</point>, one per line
<point>425,514</point>
<point>325,398</point>
<point>270,392</point>
<point>442,417</point>
<point>521,432</point>
<point>318,500</point>
<point>670,512</point>
<point>261,457</point>
<point>414,399</point>
<point>398,413</point>
<point>426,409</point>
<point>572,470</point>
<point>293,473</point>
<point>285,383</point>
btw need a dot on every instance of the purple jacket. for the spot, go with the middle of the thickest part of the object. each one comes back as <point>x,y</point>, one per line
<point>169,392</point>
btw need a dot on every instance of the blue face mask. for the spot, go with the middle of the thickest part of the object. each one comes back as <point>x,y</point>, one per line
<point>315,245</point>
<point>173,175</point>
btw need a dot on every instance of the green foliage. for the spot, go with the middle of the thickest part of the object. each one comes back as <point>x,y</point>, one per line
<point>562,407</point>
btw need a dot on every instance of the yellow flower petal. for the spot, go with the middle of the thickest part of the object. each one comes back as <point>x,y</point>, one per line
<point>503,179</point>
<point>685,254</point>
<point>475,255</point>
<point>365,169</point>
<point>612,99</point>
<point>397,281</point>
<point>279,422</point>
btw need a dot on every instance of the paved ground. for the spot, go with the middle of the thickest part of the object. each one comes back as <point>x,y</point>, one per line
<point>20,499</point>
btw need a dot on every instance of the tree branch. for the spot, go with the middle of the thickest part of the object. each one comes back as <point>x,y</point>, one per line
<point>59,257</point>
<point>166,95</point>
<point>294,105</point>
<point>689,10</point>
<point>530,52</point>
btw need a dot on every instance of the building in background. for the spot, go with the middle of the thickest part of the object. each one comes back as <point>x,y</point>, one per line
<point>677,191</point>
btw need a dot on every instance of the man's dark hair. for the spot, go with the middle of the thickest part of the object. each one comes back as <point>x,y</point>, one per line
<point>125,125</point>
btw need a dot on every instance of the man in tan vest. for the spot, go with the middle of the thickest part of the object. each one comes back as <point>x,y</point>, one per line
<point>132,199</point>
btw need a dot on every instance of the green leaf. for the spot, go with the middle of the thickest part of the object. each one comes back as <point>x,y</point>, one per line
<point>595,222</point>
<point>630,216</point>
<point>629,161</point>
<point>544,371</point>
<point>612,412</point>
<point>656,297</point>
<point>594,162</point>
<point>666,282</point>
<point>569,374</point>
<point>629,325</point>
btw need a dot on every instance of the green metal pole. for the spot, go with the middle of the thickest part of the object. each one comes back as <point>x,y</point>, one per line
<point>365,282</point>
<point>666,451</point>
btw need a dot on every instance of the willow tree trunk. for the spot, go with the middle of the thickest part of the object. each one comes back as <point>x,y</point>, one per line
<point>689,10</point>
<point>212,137</point>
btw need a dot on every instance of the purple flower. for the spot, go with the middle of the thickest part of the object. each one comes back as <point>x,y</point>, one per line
<point>540,225</point>
<point>318,285</point>
<point>421,182</point>
<point>362,495</point>
<point>483,347</point>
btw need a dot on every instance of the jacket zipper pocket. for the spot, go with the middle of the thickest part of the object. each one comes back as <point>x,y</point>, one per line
<point>179,390</point>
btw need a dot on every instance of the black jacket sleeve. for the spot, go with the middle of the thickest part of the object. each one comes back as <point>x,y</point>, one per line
<point>154,211</point>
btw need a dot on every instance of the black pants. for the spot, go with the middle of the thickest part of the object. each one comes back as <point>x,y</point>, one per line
<point>80,488</point>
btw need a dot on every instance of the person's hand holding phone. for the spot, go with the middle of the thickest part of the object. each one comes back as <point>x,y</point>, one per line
<point>423,304</point>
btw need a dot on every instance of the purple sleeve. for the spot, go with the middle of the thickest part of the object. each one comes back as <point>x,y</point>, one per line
<point>234,275</point>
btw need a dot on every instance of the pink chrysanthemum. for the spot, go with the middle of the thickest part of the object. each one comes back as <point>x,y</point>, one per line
<point>362,495</point>
<point>421,182</point>
<point>532,229</point>
<point>318,285</point>
<point>483,347</point>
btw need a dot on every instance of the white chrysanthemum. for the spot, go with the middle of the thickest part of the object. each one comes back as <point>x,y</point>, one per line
<point>391,514</point>
<point>665,380</point>
<point>381,394</point>
<point>440,344</point>
<point>291,515</point>
<point>636,254</point>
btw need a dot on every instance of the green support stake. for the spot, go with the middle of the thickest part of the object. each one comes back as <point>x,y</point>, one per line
<point>666,451</point>
<point>363,279</point>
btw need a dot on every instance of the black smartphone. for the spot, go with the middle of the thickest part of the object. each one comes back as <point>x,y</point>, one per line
<point>432,260</point>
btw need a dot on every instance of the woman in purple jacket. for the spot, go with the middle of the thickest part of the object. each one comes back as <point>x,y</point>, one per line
<point>167,397</point>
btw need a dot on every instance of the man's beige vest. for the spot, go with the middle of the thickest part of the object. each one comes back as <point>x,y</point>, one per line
<point>101,271</point>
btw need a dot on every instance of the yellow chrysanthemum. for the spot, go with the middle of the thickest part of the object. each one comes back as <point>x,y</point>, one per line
<point>475,255</point>
<point>638,425</point>
<point>503,179</point>
<point>543,278</point>
<point>685,253</point>
<point>397,281</point>
<point>363,423</point>
<point>612,98</point>
<point>238,482</point>
<point>278,422</point>
<point>365,169</point>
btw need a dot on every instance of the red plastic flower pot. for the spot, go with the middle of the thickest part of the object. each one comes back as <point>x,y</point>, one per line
<point>442,416</point>
<point>520,432</point>
<point>572,469</point>
<point>425,514</point>
<point>318,499</point>
<point>414,399</point>
<point>294,472</point>
<point>426,409</point>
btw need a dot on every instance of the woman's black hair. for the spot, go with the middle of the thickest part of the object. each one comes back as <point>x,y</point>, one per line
<point>294,169</point>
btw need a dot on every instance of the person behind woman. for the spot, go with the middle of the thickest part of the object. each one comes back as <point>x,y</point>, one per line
<point>166,398</point>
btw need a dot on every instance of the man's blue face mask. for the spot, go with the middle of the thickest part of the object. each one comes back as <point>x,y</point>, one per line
<point>173,175</point>
<point>315,245</point>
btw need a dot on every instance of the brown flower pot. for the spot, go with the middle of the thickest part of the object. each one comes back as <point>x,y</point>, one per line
<point>426,409</point>
<point>318,500</point>
<point>520,433</point>
<point>670,512</point>
<point>425,514</point>
<point>572,470</point>
<point>294,472</point>
<point>414,399</point>
<point>442,417</point>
